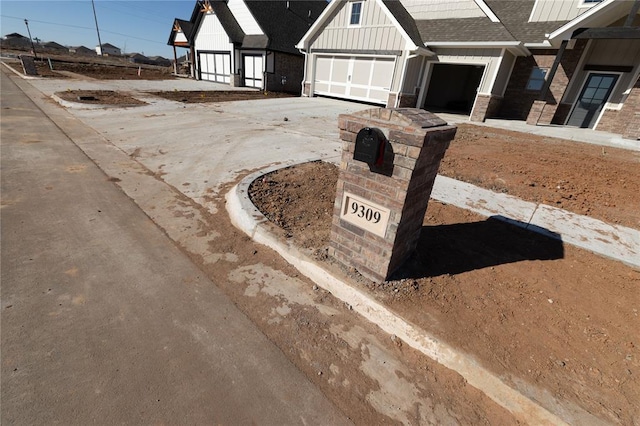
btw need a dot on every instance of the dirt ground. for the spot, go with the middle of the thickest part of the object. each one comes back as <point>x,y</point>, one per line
<point>218,96</point>
<point>101,97</point>
<point>109,72</point>
<point>541,314</point>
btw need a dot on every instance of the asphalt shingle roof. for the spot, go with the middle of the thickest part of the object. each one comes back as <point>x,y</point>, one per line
<point>285,27</point>
<point>515,16</point>
<point>462,29</point>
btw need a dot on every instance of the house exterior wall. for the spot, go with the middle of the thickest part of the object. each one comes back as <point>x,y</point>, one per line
<point>626,120</point>
<point>285,65</point>
<point>558,10</point>
<point>518,101</point>
<point>376,31</point>
<point>504,72</point>
<point>609,53</point>
<point>442,9</point>
<point>211,36</point>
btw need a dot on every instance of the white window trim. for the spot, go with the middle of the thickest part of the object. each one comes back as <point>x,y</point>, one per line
<point>351,13</point>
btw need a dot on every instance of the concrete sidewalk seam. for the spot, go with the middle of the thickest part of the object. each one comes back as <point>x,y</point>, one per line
<point>246,217</point>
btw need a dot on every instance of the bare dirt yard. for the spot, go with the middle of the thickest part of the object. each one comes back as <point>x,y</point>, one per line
<point>100,97</point>
<point>541,314</point>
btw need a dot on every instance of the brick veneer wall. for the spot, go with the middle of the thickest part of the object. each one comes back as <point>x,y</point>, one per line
<point>517,100</point>
<point>288,65</point>
<point>418,141</point>
<point>485,106</point>
<point>624,121</point>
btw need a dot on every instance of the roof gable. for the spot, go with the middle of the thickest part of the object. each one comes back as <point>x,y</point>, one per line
<point>385,22</point>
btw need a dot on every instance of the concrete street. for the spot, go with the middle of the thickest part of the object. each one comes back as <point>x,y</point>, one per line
<point>104,320</point>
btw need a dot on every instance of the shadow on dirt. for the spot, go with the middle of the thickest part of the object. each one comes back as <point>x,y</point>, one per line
<point>463,247</point>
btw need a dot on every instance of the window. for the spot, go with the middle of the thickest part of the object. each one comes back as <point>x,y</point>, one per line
<point>536,79</point>
<point>589,3</point>
<point>356,9</point>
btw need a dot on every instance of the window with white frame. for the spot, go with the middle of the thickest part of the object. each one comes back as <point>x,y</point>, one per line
<point>536,79</point>
<point>356,13</point>
<point>589,3</point>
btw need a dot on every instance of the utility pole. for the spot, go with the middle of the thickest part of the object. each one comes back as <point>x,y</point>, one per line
<point>30,39</point>
<point>97,30</point>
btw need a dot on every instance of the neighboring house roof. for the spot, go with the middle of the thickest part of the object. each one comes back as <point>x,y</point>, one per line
<point>284,26</point>
<point>109,46</point>
<point>282,23</point>
<point>187,29</point>
<point>54,45</point>
<point>14,35</point>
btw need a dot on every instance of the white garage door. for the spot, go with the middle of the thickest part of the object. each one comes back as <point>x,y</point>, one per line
<point>360,78</point>
<point>215,66</point>
<point>253,70</point>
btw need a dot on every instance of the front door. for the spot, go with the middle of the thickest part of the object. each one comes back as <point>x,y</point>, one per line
<point>593,96</point>
<point>253,71</point>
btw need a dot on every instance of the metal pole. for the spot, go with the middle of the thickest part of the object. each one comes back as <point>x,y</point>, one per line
<point>97,30</point>
<point>30,39</point>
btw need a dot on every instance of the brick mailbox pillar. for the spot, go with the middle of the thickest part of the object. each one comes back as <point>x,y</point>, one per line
<point>380,206</point>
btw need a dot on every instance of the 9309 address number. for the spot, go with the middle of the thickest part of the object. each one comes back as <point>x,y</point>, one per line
<point>365,212</point>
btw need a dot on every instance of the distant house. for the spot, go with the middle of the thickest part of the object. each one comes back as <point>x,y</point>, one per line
<point>565,62</point>
<point>247,43</point>
<point>108,49</point>
<point>15,40</point>
<point>53,46</point>
<point>138,58</point>
<point>160,61</point>
<point>82,50</point>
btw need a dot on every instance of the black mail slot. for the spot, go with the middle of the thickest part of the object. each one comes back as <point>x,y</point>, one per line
<point>370,144</point>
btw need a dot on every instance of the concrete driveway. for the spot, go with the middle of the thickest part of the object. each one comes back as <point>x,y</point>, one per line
<point>197,148</point>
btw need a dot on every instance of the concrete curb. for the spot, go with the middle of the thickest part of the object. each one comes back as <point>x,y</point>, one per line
<point>612,241</point>
<point>246,217</point>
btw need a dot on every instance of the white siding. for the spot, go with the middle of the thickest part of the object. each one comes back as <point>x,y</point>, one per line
<point>180,37</point>
<point>211,36</point>
<point>376,31</point>
<point>442,9</point>
<point>490,58</point>
<point>413,75</point>
<point>245,19</point>
<point>558,10</point>
<point>502,78</point>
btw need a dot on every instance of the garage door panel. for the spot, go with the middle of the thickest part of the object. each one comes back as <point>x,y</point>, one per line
<point>361,71</point>
<point>382,73</point>
<point>323,69</point>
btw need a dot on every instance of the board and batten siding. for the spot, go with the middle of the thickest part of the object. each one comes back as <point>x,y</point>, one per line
<point>211,36</point>
<point>558,10</point>
<point>244,17</point>
<point>490,58</point>
<point>442,9</point>
<point>376,31</point>
<point>413,75</point>
<point>609,52</point>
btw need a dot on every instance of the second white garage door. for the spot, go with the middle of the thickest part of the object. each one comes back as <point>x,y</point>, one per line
<point>359,78</point>
<point>215,66</point>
